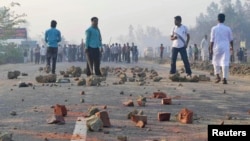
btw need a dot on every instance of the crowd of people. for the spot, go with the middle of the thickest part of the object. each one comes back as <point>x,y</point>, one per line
<point>73,52</point>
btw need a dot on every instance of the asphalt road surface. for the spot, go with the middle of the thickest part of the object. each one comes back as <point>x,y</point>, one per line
<point>211,103</point>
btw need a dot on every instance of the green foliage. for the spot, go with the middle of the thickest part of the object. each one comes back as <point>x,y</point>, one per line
<point>9,20</point>
<point>9,53</point>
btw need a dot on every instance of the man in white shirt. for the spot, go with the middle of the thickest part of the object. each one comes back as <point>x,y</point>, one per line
<point>43,52</point>
<point>221,40</point>
<point>180,38</point>
<point>204,49</point>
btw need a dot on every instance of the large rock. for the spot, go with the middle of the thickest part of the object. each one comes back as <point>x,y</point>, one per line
<point>94,123</point>
<point>13,74</point>
<point>104,71</point>
<point>94,80</point>
<point>74,71</point>
<point>92,111</point>
<point>81,82</point>
<point>51,78</point>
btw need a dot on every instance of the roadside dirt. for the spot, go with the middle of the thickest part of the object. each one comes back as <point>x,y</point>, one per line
<point>211,103</point>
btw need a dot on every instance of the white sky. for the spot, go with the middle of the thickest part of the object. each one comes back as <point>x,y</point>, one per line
<point>115,16</point>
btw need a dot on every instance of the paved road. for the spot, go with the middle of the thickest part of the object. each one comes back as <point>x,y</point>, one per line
<point>33,105</point>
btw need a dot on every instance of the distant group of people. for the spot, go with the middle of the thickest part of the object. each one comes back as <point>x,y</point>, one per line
<point>118,53</point>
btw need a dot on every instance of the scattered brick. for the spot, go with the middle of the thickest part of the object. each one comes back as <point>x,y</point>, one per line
<point>136,118</point>
<point>129,103</point>
<point>166,101</point>
<point>164,116</point>
<point>56,119</point>
<point>103,115</point>
<point>159,95</point>
<point>132,113</point>
<point>60,110</point>
<point>141,103</point>
<point>82,93</point>
<point>185,116</point>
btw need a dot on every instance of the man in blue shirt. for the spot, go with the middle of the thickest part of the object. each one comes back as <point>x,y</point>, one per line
<point>93,47</point>
<point>52,38</point>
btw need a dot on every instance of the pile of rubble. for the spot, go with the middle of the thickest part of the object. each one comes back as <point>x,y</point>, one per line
<point>235,69</point>
<point>139,75</point>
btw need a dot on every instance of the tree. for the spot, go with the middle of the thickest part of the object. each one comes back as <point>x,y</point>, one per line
<point>9,20</point>
<point>237,17</point>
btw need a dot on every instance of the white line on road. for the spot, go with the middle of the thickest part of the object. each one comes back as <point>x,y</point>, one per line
<point>80,131</point>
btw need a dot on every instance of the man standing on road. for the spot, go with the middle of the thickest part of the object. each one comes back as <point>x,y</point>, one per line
<point>161,51</point>
<point>204,49</point>
<point>180,38</point>
<point>43,54</point>
<point>221,40</point>
<point>93,47</point>
<point>52,38</point>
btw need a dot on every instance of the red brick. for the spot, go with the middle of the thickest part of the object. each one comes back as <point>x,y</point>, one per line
<point>159,95</point>
<point>60,110</point>
<point>163,116</point>
<point>185,116</point>
<point>56,120</point>
<point>129,103</point>
<point>136,118</point>
<point>103,115</point>
<point>166,101</point>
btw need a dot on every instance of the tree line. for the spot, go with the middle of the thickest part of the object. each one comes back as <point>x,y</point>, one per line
<point>237,17</point>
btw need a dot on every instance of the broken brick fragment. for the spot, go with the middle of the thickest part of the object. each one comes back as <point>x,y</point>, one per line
<point>166,101</point>
<point>141,103</point>
<point>60,110</point>
<point>136,118</point>
<point>159,95</point>
<point>140,124</point>
<point>185,116</point>
<point>129,103</point>
<point>164,116</point>
<point>56,119</point>
<point>103,115</point>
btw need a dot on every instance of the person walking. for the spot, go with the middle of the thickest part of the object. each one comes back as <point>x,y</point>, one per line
<point>52,38</point>
<point>93,47</point>
<point>25,56</point>
<point>204,49</point>
<point>190,54</point>
<point>43,54</point>
<point>161,51</point>
<point>37,54</point>
<point>196,53</point>
<point>220,42</point>
<point>180,38</point>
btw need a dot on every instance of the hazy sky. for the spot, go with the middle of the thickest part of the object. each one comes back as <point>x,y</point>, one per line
<point>115,16</point>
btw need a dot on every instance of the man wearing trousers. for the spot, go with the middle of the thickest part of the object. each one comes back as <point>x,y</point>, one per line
<point>180,38</point>
<point>52,38</point>
<point>93,48</point>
